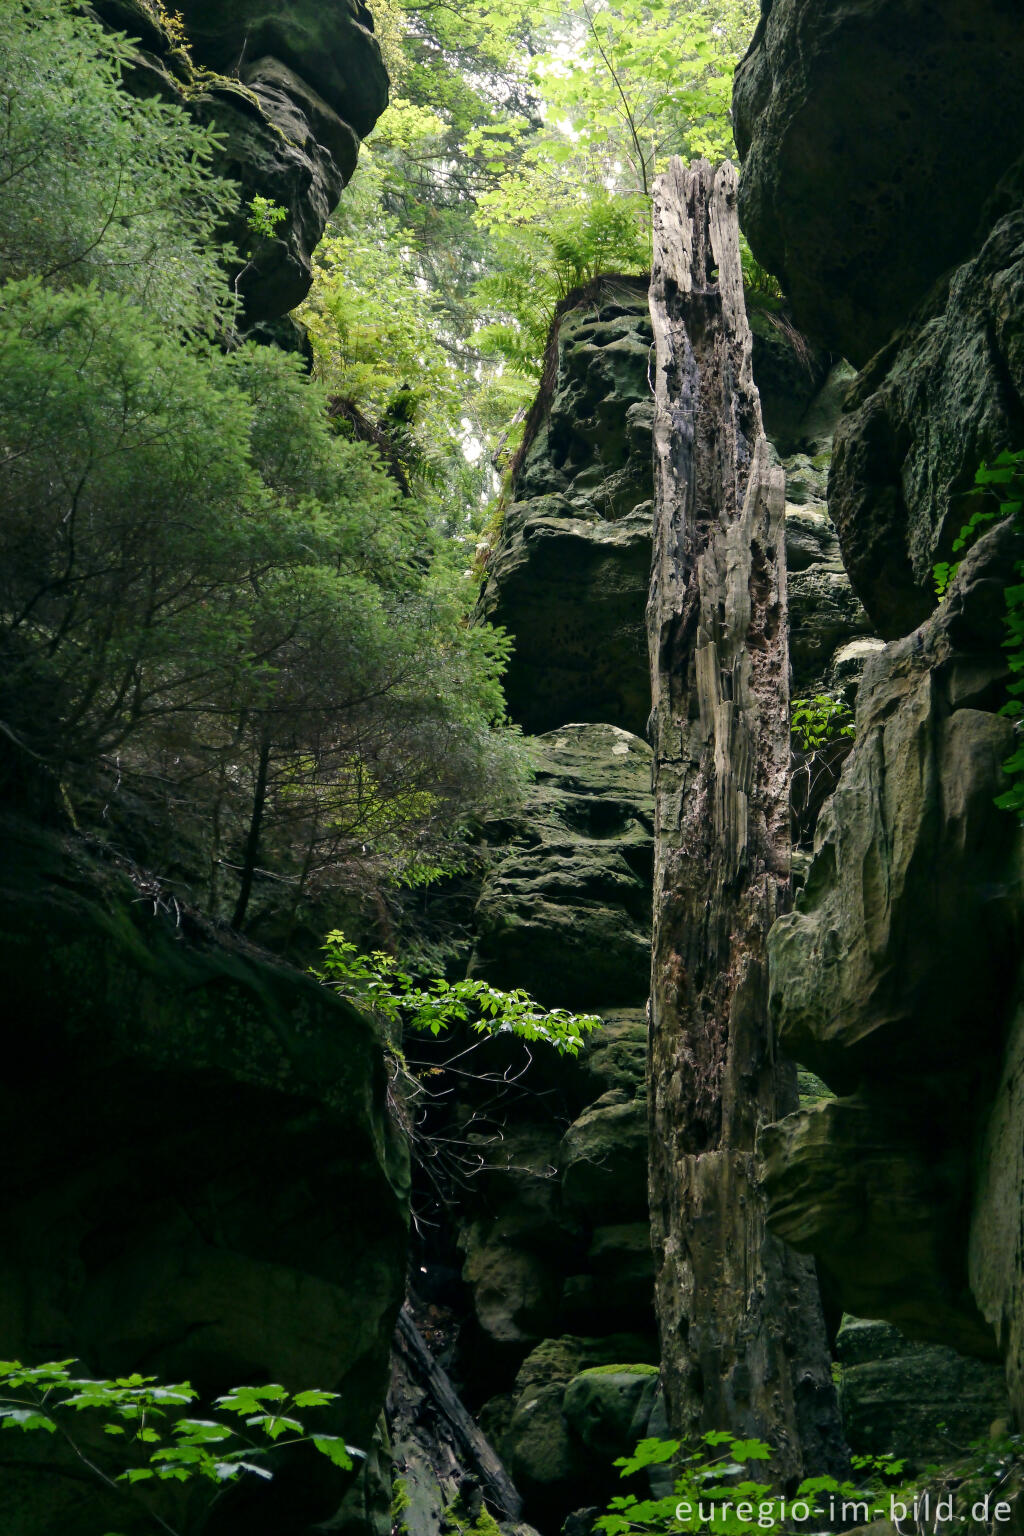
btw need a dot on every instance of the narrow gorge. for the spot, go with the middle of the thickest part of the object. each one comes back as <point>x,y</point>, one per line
<point>778,1194</point>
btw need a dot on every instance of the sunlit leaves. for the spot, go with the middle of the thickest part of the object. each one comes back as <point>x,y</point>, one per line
<point>377,982</point>
<point>98,186</point>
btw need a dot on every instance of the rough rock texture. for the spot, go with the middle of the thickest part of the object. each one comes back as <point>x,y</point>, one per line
<point>824,612</point>
<point>577,1403</point>
<point>860,185</point>
<point>201,1177</point>
<point>897,979</point>
<point>569,574</point>
<point>568,578</point>
<point>914,871</point>
<point>946,394</point>
<point>554,1236</point>
<point>554,1231</point>
<point>894,1395</point>
<point>291,89</point>
<point>788,370</point>
<point>566,912</point>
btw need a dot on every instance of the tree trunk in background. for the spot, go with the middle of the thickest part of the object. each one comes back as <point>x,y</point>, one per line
<point>743,1340</point>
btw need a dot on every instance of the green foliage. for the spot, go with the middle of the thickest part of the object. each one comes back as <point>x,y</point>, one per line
<point>622,88</point>
<point>1003,480</point>
<point>636,81</point>
<point>97,186</point>
<point>541,263</point>
<point>264,216</point>
<point>215,612</point>
<point>151,1442</point>
<point>375,981</point>
<point>819,720</point>
<point>715,1489</point>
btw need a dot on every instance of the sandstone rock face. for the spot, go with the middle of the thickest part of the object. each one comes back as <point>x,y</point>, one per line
<point>292,89</point>
<point>554,1231</point>
<point>566,912</point>
<point>860,186</point>
<point>895,981</point>
<point>945,395</point>
<point>201,1181</point>
<point>569,576</point>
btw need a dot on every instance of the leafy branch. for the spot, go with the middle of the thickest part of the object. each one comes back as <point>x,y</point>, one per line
<point>158,1444</point>
<point>375,981</point>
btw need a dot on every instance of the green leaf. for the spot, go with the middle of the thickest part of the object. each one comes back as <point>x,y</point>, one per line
<point>248,1400</point>
<point>336,1451</point>
<point>274,1425</point>
<point>27,1419</point>
<point>751,1450</point>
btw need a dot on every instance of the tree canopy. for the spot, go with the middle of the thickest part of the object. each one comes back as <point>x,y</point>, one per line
<point>216,613</point>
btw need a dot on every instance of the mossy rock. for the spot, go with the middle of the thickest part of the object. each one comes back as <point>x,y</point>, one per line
<point>608,1407</point>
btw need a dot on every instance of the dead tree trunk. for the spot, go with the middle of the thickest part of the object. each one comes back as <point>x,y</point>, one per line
<point>439,1454</point>
<point>743,1341</point>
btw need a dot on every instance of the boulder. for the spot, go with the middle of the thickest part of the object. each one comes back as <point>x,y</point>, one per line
<point>604,1159</point>
<point>608,1406</point>
<point>909,1400</point>
<point>788,372</point>
<point>862,983</point>
<point>896,980</point>
<point>860,185</point>
<point>884,1217</point>
<point>615,1056</point>
<point>824,612</point>
<point>576,1408</point>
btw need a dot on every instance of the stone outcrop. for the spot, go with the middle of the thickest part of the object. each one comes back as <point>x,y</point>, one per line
<point>568,578</point>
<point>202,1179</point>
<point>825,615</point>
<point>291,90</point>
<point>862,183</point>
<point>914,871</point>
<point>565,912</point>
<point>577,1403</point>
<point>946,394</point>
<point>897,977</point>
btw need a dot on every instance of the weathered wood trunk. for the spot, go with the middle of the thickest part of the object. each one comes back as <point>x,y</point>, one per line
<point>439,1454</point>
<point>742,1335</point>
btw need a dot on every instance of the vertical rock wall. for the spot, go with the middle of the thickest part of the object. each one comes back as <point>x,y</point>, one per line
<point>898,976</point>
